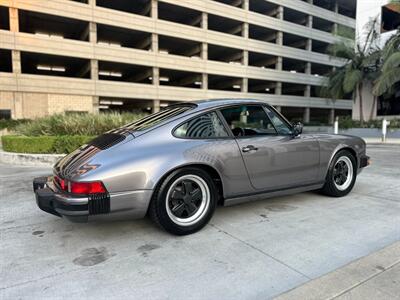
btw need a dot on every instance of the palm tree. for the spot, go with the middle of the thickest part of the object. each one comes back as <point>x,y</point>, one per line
<point>390,72</point>
<point>360,66</point>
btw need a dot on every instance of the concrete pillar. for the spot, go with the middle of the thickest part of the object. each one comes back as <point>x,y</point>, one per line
<point>309,45</point>
<point>245,84</point>
<point>14,23</point>
<point>278,88</point>
<point>156,105</point>
<point>154,42</point>
<point>308,68</point>
<point>96,104</point>
<point>245,4</point>
<point>307,91</point>
<point>245,30</point>
<point>16,61</point>
<point>204,81</point>
<point>204,51</point>
<point>245,58</point>
<point>156,76</point>
<point>92,32</point>
<point>92,3</point>
<point>331,119</point>
<point>18,104</point>
<point>154,9</point>
<point>306,115</point>
<point>279,60</point>
<point>94,69</point>
<point>204,20</point>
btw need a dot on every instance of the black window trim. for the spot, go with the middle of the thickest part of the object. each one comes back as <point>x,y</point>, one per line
<point>222,120</point>
<point>282,117</point>
<point>248,136</point>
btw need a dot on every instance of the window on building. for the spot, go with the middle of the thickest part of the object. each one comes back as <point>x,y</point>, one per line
<point>203,127</point>
<point>5,114</point>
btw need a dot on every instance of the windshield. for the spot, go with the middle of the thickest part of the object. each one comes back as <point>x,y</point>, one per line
<point>161,116</point>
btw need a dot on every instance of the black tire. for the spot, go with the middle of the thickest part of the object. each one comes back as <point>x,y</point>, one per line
<point>330,188</point>
<point>164,217</point>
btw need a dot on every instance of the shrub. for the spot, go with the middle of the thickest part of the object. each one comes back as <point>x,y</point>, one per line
<point>43,144</point>
<point>10,124</point>
<point>347,122</point>
<point>76,124</point>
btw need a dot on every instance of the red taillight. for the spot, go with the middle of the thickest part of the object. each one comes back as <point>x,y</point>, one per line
<point>61,183</point>
<point>95,187</point>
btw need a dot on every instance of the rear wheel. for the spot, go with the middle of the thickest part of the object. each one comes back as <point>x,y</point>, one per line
<point>341,175</point>
<point>184,202</point>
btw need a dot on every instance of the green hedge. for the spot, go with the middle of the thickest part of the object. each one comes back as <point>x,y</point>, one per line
<point>43,144</point>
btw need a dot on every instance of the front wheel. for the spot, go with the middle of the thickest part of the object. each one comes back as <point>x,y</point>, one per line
<point>184,202</point>
<point>341,175</point>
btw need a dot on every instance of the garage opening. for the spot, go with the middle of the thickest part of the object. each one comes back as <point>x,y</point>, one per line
<point>293,65</point>
<point>178,46</point>
<point>234,3</point>
<point>224,83</point>
<point>179,14</point>
<point>295,16</point>
<point>262,34</point>
<point>263,7</point>
<point>125,72</point>
<point>54,65</point>
<point>293,89</point>
<point>121,37</point>
<point>4,18</point>
<point>294,41</point>
<point>225,54</point>
<point>5,61</point>
<point>261,60</point>
<point>225,25</point>
<point>261,86</point>
<point>53,26</point>
<point>141,7</point>
<point>180,78</point>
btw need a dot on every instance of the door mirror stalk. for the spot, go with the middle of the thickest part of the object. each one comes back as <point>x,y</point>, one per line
<point>297,129</point>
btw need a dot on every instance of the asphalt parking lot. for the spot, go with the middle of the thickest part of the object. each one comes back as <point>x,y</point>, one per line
<point>252,251</point>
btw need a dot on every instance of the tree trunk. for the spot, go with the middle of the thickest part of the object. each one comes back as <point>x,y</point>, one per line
<point>360,98</point>
<point>371,116</point>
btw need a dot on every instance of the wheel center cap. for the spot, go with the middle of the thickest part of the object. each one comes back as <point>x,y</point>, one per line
<point>187,199</point>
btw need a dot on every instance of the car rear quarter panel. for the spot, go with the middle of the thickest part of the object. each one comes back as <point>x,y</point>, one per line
<point>331,144</point>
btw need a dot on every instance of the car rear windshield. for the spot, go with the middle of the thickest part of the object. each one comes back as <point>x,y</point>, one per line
<point>161,116</point>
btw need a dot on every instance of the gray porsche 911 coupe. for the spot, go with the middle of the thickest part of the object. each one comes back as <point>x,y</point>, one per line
<point>177,164</point>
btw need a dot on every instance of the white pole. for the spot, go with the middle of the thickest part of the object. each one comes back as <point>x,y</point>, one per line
<point>336,126</point>
<point>384,130</point>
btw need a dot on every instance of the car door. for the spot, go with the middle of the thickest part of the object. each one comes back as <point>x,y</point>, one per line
<point>273,156</point>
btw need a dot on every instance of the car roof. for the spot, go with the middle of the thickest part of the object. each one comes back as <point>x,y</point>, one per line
<point>213,103</point>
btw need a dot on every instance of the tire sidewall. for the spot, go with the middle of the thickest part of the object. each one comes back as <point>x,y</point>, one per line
<point>161,198</point>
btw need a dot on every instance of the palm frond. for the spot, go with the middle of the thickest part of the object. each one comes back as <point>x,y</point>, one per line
<point>352,79</point>
<point>386,81</point>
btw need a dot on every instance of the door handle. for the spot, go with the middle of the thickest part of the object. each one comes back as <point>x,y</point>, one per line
<point>249,148</point>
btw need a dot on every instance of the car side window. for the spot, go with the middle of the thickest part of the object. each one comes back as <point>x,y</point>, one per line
<point>281,126</point>
<point>203,127</point>
<point>248,120</point>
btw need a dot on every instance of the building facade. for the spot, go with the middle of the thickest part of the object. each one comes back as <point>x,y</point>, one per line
<point>98,55</point>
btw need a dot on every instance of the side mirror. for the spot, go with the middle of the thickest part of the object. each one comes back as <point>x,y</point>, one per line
<point>297,129</point>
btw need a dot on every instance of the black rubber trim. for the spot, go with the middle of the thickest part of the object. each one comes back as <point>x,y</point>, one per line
<point>364,161</point>
<point>99,204</point>
<point>275,190</point>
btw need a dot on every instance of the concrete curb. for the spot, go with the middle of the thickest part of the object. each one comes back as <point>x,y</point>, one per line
<point>343,280</point>
<point>27,159</point>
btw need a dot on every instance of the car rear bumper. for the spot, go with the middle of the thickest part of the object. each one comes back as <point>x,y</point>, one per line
<point>114,206</point>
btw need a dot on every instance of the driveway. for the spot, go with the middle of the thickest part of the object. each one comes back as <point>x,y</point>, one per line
<point>251,251</point>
